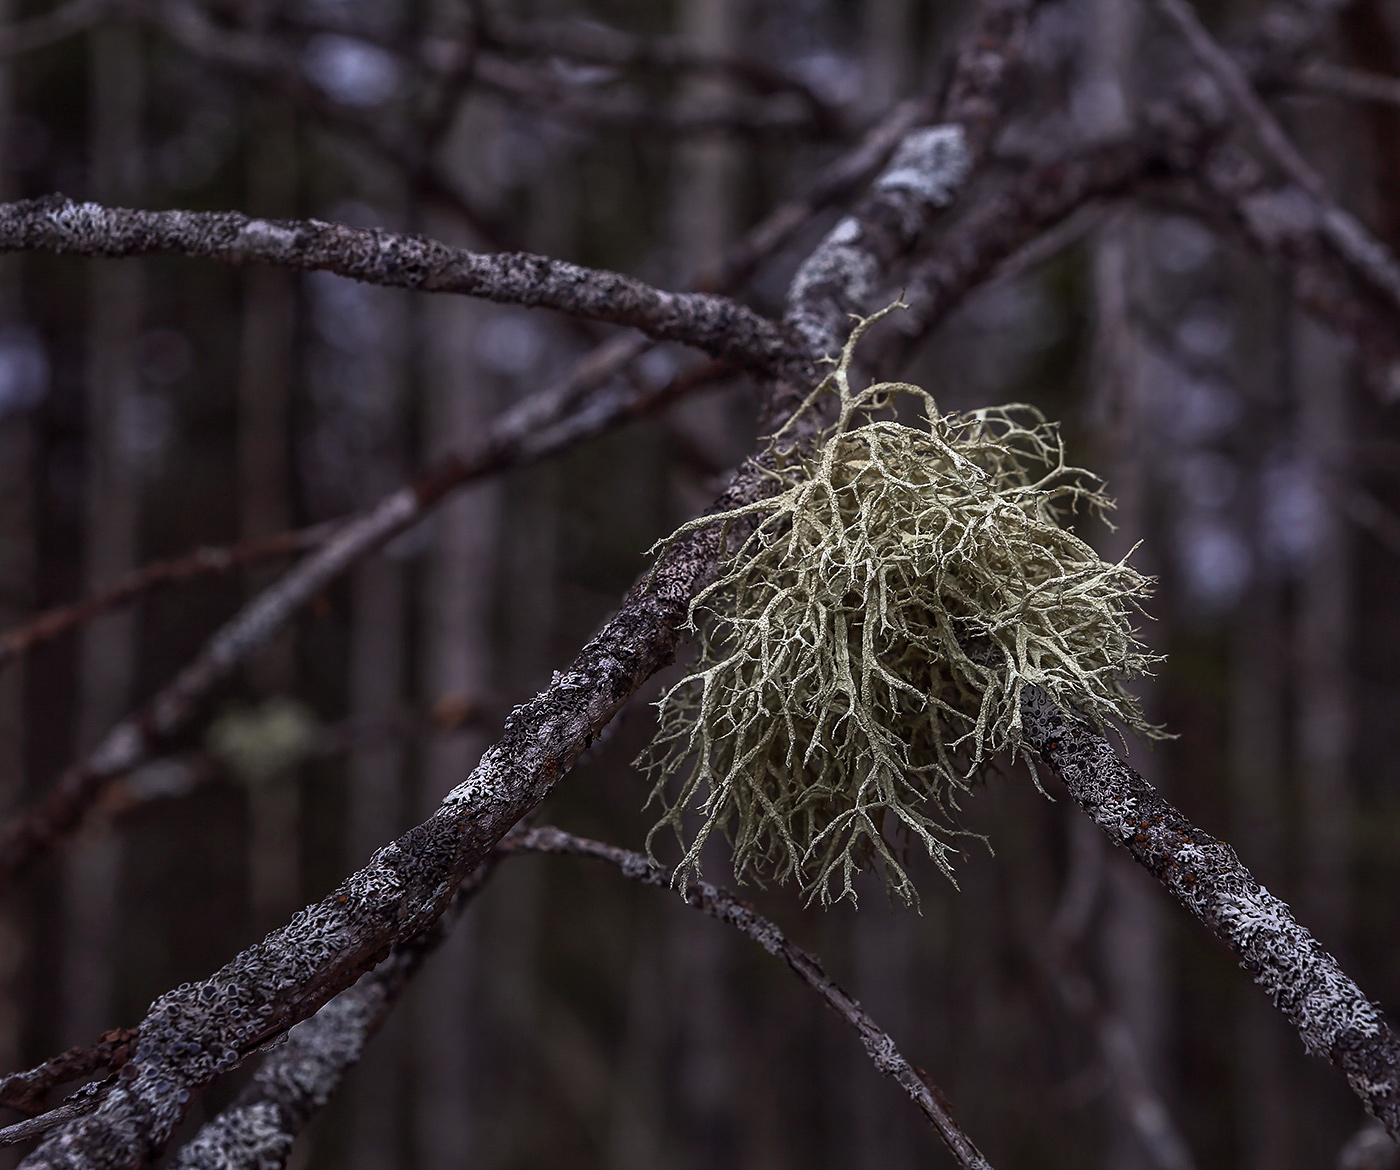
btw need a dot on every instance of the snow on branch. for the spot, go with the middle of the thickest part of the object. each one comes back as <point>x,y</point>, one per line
<point>1335,1020</point>
<point>879,1046</point>
<point>718,325</point>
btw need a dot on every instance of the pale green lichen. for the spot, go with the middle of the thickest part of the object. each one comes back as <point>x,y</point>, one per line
<point>865,646</point>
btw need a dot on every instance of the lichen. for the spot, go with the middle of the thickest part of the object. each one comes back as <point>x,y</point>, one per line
<point>865,645</point>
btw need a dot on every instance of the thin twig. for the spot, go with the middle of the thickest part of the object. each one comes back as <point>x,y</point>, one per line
<point>725,907</point>
<point>1325,77</point>
<point>1357,246</point>
<point>592,43</point>
<point>38,32</point>
<point>27,1090</point>
<point>204,562</point>
<point>33,1127</point>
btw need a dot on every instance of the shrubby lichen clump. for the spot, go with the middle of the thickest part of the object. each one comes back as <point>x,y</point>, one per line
<point>864,648</point>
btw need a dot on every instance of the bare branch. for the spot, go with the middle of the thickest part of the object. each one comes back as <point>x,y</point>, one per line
<point>27,1130</point>
<point>1281,222</point>
<point>725,907</point>
<point>1357,246</point>
<point>720,326</point>
<point>39,32</point>
<point>27,1090</point>
<point>1332,1016</point>
<point>263,60</point>
<point>596,44</point>
<point>542,425</point>
<point>204,562</point>
<point>1325,77</point>
<point>544,92</point>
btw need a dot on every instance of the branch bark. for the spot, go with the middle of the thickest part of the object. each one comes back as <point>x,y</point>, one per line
<point>1330,1013</point>
<point>718,325</point>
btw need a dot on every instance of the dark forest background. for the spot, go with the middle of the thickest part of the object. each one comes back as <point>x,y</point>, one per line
<point>151,407</point>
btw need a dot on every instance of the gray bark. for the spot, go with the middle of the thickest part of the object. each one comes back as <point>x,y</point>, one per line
<point>718,325</point>
<point>1331,1015</point>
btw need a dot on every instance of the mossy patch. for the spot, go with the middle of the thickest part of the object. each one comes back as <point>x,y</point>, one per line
<point>865,645</point>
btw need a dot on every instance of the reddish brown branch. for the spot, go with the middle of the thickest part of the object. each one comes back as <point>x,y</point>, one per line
<point>28,1090</point>
<point>204,562</point>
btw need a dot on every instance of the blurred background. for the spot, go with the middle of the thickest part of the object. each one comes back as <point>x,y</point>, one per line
<point>1072,1013</point>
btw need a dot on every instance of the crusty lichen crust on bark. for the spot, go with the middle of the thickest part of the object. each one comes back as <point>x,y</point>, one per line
<point>865,646</point>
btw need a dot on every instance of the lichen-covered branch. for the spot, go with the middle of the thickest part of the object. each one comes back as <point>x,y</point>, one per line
<point>1332,1016</point>
<point>725,907</point>
<point>846,270</point>
<point>718,325</point>
<point>299,1076</point>
<point>191,1036</point>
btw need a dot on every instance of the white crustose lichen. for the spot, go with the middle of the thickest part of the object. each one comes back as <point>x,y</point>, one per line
<point>866,644</point>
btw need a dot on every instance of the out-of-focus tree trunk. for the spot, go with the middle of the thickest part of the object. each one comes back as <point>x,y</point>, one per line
<point>264,504</point>
<point>458,677</point>
<point>1131,939</point>
<point>887,38</point>
<point>1257,767</point>
<point>1322,638</point>
<point>1321,379</point>
<point>265,373</point>
<point>701,962</point>
<point>16,582</point>
<point>114,418</point>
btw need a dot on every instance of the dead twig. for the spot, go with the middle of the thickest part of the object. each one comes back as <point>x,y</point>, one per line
<point>879,1046</point>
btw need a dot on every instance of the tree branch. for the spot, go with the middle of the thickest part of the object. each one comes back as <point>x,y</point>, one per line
<point>38,32</point>
<point>204,562</point>
<point>192,1035</point>
<point>719,326</point>
<point>26,1091</point>
<point>1325,77</point>
<point>542,425</point>
<point>725,907</point>
<point>1331,1015</point>
<point>1357,246</point>
<point>298,1077</point>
